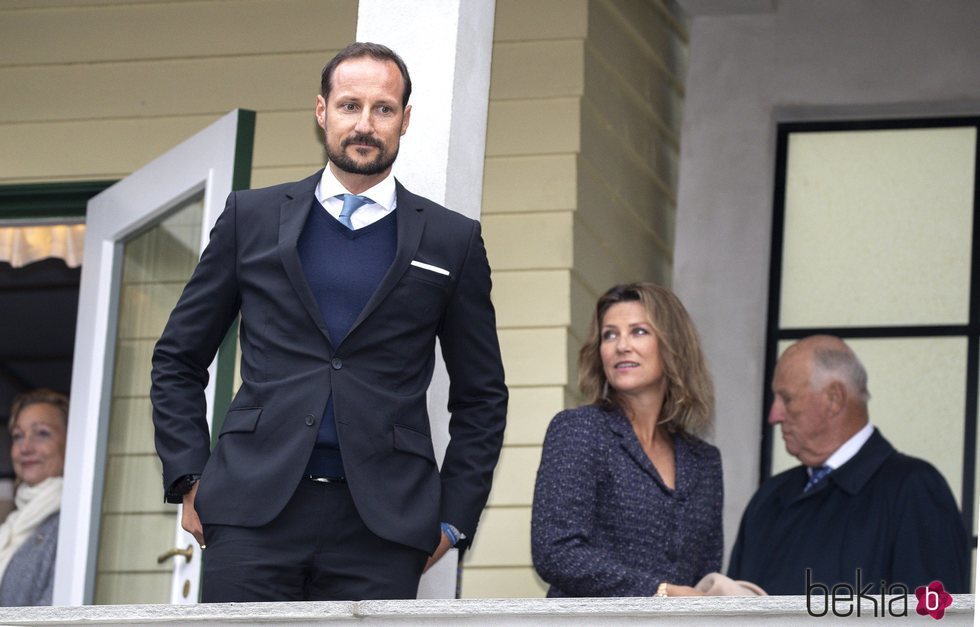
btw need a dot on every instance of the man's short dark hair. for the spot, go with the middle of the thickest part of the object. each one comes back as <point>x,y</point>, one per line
<point>365,49</point>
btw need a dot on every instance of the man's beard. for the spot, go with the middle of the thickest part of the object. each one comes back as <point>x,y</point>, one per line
<point>378,165</point>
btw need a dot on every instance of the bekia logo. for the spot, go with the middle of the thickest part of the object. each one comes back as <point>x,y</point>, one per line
<point>933,600</point>
<point>844,599</point>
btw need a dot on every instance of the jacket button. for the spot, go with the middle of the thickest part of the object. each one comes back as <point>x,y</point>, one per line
<point>310,420</point>
<point>336,363</point>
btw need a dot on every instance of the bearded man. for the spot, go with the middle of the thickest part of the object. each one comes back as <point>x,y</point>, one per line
<point>323,484</point>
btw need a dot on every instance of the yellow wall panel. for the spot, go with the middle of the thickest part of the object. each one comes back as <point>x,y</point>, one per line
<point>520,20</point>
<point>630,127</point>
<point>659,110</point>
<point>152,304</point>
<point>535,183</point>
<point>529,412</point>
<point>74,33</point>
<point>134,379</point>
<point>289,138</point>
<point>619,227</point>
<point>637,179</point>
<point>657,27</point>
<point>534,356</point>
<point>582,304</point>
<point>537,69</point>
<point>600,266</point>
<point>162,87</point>
<point>572,347</point>
<point>533,127</point>
<point>651,220</point>
<point>531,298</point>
<point>503,538</point>
<point>99,149</point>
<point>515,476</point>
<point>134,485</point>
<point>533,241</point>
<point>133,433</point>
<point>637,48</point>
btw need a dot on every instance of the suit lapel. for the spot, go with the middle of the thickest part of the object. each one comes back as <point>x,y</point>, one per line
<point>292,218</point>
<point>410,221</point>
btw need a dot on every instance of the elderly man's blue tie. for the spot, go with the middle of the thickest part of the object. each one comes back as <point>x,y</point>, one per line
<point>351,204</point>
<point>816,477</point>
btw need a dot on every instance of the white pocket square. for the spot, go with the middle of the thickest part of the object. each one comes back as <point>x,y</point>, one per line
<point>430,267</point>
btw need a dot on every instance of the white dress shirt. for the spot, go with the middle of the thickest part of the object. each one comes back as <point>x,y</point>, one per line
<point>382,196</point>
<point>848,449</point>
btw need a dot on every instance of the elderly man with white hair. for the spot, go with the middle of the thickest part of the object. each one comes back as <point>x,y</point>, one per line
<point>855,502</point>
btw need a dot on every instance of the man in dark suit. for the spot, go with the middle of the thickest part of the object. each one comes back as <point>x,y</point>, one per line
<point>323,484</point>
<point>856,503</point>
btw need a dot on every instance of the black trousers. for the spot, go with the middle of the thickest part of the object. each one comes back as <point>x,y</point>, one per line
<point>317,549</point>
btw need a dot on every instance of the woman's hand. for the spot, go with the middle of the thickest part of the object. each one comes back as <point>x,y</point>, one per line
<point>683,591</point>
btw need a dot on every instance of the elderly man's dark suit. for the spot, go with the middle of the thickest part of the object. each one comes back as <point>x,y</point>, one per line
<point>377,375</point>
<point>891,515</point>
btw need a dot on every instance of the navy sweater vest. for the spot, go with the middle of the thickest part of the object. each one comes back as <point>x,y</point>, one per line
<point>343,269</point>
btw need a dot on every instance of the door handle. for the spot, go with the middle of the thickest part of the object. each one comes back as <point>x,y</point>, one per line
<point>188,553</point>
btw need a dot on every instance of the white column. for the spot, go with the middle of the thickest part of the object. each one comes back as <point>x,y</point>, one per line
<point>446,45</point>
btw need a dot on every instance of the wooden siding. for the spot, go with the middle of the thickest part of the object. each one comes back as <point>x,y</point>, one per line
<point>96,88</point>
<point>579,194</point>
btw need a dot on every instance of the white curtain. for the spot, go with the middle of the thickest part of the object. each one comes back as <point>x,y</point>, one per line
<point>21,245</point>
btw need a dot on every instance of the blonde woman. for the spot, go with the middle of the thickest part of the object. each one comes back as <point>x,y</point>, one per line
<point>628,498</point>
<point>29,536</point>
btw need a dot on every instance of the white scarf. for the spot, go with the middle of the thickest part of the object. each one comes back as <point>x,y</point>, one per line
<point>34,505</point>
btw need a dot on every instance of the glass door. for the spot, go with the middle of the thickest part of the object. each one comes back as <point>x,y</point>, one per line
<point>119,543</point>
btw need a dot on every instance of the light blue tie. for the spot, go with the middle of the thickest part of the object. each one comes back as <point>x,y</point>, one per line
<point>816,477</point>
<point>351,204</point>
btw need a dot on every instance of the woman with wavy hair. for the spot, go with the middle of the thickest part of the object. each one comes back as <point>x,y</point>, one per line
<point>628,498</point>
<point>29,536</point>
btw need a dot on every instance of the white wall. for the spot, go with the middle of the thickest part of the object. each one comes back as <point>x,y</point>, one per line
<point>754,63</point>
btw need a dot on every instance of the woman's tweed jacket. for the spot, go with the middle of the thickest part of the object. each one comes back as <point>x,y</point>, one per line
<point>604,524</point>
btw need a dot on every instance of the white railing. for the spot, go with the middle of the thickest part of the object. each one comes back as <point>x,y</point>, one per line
<point>787,610</point>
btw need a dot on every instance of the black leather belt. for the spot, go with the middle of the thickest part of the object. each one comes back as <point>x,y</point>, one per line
<point>327,479</point>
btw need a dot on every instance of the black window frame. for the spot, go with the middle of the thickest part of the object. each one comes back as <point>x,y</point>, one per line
<point>970,331</point>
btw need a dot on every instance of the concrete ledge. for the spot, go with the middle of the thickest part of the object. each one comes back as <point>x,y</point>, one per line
<point>786,610</point>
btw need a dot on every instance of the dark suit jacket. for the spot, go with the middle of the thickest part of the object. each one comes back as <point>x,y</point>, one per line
<point>889,514</point>
<point>378,374</point>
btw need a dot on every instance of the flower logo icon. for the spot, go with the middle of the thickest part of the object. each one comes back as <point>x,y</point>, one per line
<point>933,600</point>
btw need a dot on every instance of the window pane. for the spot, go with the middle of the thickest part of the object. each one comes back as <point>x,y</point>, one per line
<point>918,395</point>
<point>136,525</point>
<point>877,227</point>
